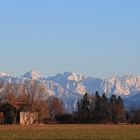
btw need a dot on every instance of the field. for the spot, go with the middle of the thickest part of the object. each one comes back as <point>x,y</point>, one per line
<point>70,132</point>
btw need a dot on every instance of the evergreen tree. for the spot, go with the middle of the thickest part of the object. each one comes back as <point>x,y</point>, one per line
<point>79,106</point>
<point>85,103</point>
<point>106,114</point>
<point>120,109</point>
<point>100,109</point>
<point>136,117</point>
<point>97,108</point>
<point>113,107</point>
<point>10,113</point>
<point>79,110</point>
<point>83,107</point>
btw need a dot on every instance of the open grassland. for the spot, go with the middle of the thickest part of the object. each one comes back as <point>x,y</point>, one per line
<point>70,132</point>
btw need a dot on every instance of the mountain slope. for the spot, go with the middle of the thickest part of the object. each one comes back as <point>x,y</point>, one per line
<point>70,86</point>
<point>32,75</point>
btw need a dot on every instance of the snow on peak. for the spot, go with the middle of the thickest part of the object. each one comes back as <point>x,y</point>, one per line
<point>75,77</point>
<point>2,74</point>
<point>124,85</point>
<point>67,76</point>
<point>32,75</point>
<point>70,86</point>
<point>71,76</point>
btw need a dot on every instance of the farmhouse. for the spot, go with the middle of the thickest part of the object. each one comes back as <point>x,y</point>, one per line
<point>17,114</point>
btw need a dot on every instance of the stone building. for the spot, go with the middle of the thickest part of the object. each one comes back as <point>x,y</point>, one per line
<point>28,118</point>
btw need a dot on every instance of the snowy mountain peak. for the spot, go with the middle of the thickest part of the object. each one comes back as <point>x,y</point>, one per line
<point>76,77</point>
<point>69,86</point>
<point>125,85</point>
<point>67,76</point>
<point>2,74</point>
<point>32,75</point>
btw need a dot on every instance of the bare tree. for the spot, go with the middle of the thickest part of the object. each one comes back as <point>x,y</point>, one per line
<point>8,93</point>
<point>55,106</point>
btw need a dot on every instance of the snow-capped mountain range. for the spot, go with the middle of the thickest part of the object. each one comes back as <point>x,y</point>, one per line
<point>70,86</point>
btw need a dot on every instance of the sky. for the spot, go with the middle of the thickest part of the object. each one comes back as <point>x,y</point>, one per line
<point>99,38</point>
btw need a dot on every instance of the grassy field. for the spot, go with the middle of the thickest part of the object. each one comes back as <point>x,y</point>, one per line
<point>70,132</point>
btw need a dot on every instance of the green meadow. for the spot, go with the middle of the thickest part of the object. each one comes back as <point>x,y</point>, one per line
<point>70,132</point>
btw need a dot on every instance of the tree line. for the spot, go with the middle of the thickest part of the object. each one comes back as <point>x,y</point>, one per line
<point>101,110</point>
<point>94,108</point>
<point>97,109</point>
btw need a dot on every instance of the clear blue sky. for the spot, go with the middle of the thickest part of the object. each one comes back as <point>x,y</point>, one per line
<point>95,37</point>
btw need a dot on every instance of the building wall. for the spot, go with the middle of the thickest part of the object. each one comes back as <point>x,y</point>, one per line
<point>28,118</point>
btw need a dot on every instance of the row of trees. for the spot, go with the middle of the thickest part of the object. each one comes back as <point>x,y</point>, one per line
<point>90,109</point>
<point>98,109</point>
